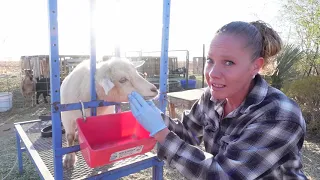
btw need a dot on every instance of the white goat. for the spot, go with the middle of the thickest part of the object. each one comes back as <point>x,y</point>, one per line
<point>115,79</point>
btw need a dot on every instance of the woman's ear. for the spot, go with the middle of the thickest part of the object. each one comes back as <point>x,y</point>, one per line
<point>257,65</point>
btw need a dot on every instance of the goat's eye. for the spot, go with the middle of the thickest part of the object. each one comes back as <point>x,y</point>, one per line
<point>123,80</point>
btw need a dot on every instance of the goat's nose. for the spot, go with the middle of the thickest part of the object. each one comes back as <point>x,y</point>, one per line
<point>154,89</point>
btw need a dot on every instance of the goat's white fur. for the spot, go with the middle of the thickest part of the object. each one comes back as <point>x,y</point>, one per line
<point>114,80</point>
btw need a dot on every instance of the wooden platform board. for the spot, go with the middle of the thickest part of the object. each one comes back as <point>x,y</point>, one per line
<point>183,99</point>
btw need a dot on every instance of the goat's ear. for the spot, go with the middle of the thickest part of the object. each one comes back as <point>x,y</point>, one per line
<point>138,63</point>
<point>106,84</point>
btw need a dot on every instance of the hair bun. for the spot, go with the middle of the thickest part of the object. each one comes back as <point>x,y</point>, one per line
<point>271,41</point>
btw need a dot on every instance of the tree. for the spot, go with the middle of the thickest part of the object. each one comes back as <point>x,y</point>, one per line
<point>304,16</point>
<point>284,63</point>
<point>305,92</point>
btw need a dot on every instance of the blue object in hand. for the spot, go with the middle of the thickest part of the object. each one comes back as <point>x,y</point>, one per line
<point>148,115</point>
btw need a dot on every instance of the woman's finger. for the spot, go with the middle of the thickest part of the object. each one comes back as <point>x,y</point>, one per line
<point>151,103</point>
<point>134,102</point>
<point>154,107</point>
<point>140,99</point>
<point>134,110</point>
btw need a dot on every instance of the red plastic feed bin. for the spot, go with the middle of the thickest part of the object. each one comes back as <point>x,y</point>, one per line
<point>109,138</point>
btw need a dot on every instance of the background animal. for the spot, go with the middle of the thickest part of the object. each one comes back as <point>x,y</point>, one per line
<point>182,70</point>
<point>114,80</point>
<point>42,87</point>
<point>28,87</point>
<point>144,75</point>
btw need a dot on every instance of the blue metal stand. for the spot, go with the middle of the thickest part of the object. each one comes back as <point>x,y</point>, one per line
<point>164,55</point>
<point>57,108</point>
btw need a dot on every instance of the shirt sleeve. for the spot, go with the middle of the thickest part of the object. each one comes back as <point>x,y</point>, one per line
<point>257,150</point>
<point>190,128</point>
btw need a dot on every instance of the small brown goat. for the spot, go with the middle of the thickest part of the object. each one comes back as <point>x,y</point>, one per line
<point>28,87</point>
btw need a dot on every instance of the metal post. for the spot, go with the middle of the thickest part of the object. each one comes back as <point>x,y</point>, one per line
<point>117,54</point>
<point>157,172</point>
<point>187,67</point>
<point>117,51</point>
<point>203,62</point>
<point>92,55</point>
<point>19,152</point>
<point>164,55</point>
<point>55,88</point>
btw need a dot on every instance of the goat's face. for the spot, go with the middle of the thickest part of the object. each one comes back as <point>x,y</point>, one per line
<point>119,77</point>
<point>28,73</point>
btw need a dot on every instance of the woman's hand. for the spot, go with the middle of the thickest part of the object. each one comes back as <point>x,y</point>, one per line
<point>149,116</point>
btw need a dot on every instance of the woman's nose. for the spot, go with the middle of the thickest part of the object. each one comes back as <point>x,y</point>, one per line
<point>215,72</point>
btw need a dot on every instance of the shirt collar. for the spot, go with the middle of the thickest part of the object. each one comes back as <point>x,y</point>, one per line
<point>255,97</point>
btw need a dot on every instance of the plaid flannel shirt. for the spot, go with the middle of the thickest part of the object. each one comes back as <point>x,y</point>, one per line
<point>261,139</point>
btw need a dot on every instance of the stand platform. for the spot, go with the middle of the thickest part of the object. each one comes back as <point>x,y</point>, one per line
<point>40,151</point>
<point>183,99</point>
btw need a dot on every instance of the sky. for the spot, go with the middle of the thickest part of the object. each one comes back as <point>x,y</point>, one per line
<point>134,24</point>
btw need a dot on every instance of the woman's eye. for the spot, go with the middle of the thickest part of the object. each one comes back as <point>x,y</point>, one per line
<point>209,60</point>
<point>229,63</point>
<point>123,80</point>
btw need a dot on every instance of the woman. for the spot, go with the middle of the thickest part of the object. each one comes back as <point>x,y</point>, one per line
<point>250,130</point>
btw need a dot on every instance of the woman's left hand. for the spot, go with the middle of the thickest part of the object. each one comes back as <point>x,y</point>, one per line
<point>148,115</point>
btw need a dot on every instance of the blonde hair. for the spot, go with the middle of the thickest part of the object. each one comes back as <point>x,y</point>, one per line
<point>261,38</point>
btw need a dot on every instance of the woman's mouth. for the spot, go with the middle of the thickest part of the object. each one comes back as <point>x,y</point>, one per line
<point>215,86</point>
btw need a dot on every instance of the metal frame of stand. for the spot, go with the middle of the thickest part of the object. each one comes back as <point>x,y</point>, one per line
<point>47,154</point>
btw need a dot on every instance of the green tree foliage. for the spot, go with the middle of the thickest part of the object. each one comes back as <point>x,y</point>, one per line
<point>306,93</point>
<point>285,60</point>
<point>304,17</point>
